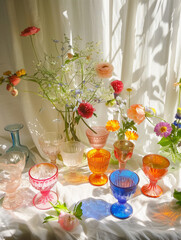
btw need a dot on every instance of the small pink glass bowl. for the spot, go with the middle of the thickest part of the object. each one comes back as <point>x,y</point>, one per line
<point>43,177</point>
<point>97,140</point>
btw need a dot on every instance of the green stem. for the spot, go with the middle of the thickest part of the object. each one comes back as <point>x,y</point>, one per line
<point>88,126</point>
<point>149,121</point>
<point>179,96</point>
<point>32,43</point>
<point>66,127</point>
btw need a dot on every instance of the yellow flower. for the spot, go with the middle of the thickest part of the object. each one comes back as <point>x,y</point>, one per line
<point>131,135</point>
<point>112,125</point>
<point>129,89</point>
<point>20,73</point>
<point>7,73</point>
<point>150,112</point>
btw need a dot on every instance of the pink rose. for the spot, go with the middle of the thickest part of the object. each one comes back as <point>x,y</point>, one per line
<point>104,70</point>
<point>67,221</point>
<point>137,113</point>
<point>117,86</point>
<point>14,80</point>
<point>29,31</point>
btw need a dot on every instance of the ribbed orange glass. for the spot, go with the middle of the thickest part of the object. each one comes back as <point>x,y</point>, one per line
<point>155,167</point>
<point>98,161</point>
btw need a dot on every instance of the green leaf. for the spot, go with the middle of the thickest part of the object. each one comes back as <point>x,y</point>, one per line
<point>78,211</point>
<point>177,195</point>
<point>49,218</point>
<point>60,207</point>
<point>95,114</point>
<point>164,141</point>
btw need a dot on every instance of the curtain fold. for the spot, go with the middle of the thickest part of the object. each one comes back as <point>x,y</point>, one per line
<point>142,39</point>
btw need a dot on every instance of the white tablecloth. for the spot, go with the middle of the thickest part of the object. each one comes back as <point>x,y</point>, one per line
<point>158,218</point>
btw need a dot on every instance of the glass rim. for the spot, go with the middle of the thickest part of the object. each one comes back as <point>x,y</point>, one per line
<point>152,154</point>
<point>42,180</point>
<point>124,187</point>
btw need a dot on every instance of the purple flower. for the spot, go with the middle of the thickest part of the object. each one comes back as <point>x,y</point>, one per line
<point>163,129</point>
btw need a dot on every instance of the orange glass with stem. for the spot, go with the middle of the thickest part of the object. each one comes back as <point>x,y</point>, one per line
<point>155,167</point>
<point>98,161</point>
<point>123,151</point>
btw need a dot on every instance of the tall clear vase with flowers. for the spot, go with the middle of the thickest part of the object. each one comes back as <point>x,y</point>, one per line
<point>72,80</point>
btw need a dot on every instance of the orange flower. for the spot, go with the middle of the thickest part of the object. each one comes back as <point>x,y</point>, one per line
<point>104,70</point>
<point>7,73</point>
<point>70,55</point>
<point>137,113</point>
<point>131,135</point>
<point>112,125</point>
<point>20,73</point>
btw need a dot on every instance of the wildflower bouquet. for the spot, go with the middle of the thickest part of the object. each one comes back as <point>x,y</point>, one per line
<point>71,80</point>
<point>126,129</point>
<point>170,133</point>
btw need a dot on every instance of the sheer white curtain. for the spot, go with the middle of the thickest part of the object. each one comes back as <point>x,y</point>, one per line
<point>141,38</point>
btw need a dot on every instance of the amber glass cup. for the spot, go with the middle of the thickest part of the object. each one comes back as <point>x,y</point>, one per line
<point>155,167</point>
<point>98,161</point>
<point>123,151</point>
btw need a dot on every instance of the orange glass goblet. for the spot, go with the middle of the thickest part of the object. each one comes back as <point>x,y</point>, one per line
<point>123,151</point>
<point>155,167</point>
<point>97,140</point>
<point>98,161</point>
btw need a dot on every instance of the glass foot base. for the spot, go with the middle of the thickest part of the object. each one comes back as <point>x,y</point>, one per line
<point>42,202</point>
<point>10,204</point>
<point>121,211</point>
<point>152,191</point>
<point>98,180</point>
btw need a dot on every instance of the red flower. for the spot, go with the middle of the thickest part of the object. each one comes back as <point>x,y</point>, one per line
<point>85,110</point>
<point>14,80</point>
<point>29,31</point>
<point>117,86</point>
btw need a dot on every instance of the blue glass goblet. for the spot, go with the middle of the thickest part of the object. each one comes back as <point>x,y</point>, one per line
<point>123,184</point>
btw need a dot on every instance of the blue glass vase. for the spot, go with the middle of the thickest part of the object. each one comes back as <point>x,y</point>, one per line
<point>123,184</point>
<point>14,130</point>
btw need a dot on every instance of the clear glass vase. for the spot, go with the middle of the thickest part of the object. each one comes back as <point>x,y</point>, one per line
<point>14,130</point>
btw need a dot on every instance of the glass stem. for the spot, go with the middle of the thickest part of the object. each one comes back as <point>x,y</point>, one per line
<point>122,165</point>
<point>15,138</point>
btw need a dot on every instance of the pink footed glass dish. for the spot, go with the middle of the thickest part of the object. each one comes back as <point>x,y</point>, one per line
<point>43,177</point>
<point>11,167</point>
<point>97,140</point>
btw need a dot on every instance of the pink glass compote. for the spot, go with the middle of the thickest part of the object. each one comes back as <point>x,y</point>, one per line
<point>11,167</point>
<point>43,177</point>
<point>97,140</point>
<point>50,144</point>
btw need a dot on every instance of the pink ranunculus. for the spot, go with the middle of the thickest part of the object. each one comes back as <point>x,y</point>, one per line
<point>29,31</point>
<point>85,110</point>
<point>14,80</point>
<point>137,113</point>
<point>67,221</point>
<point>117,86</point>
<point>104,70</point>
